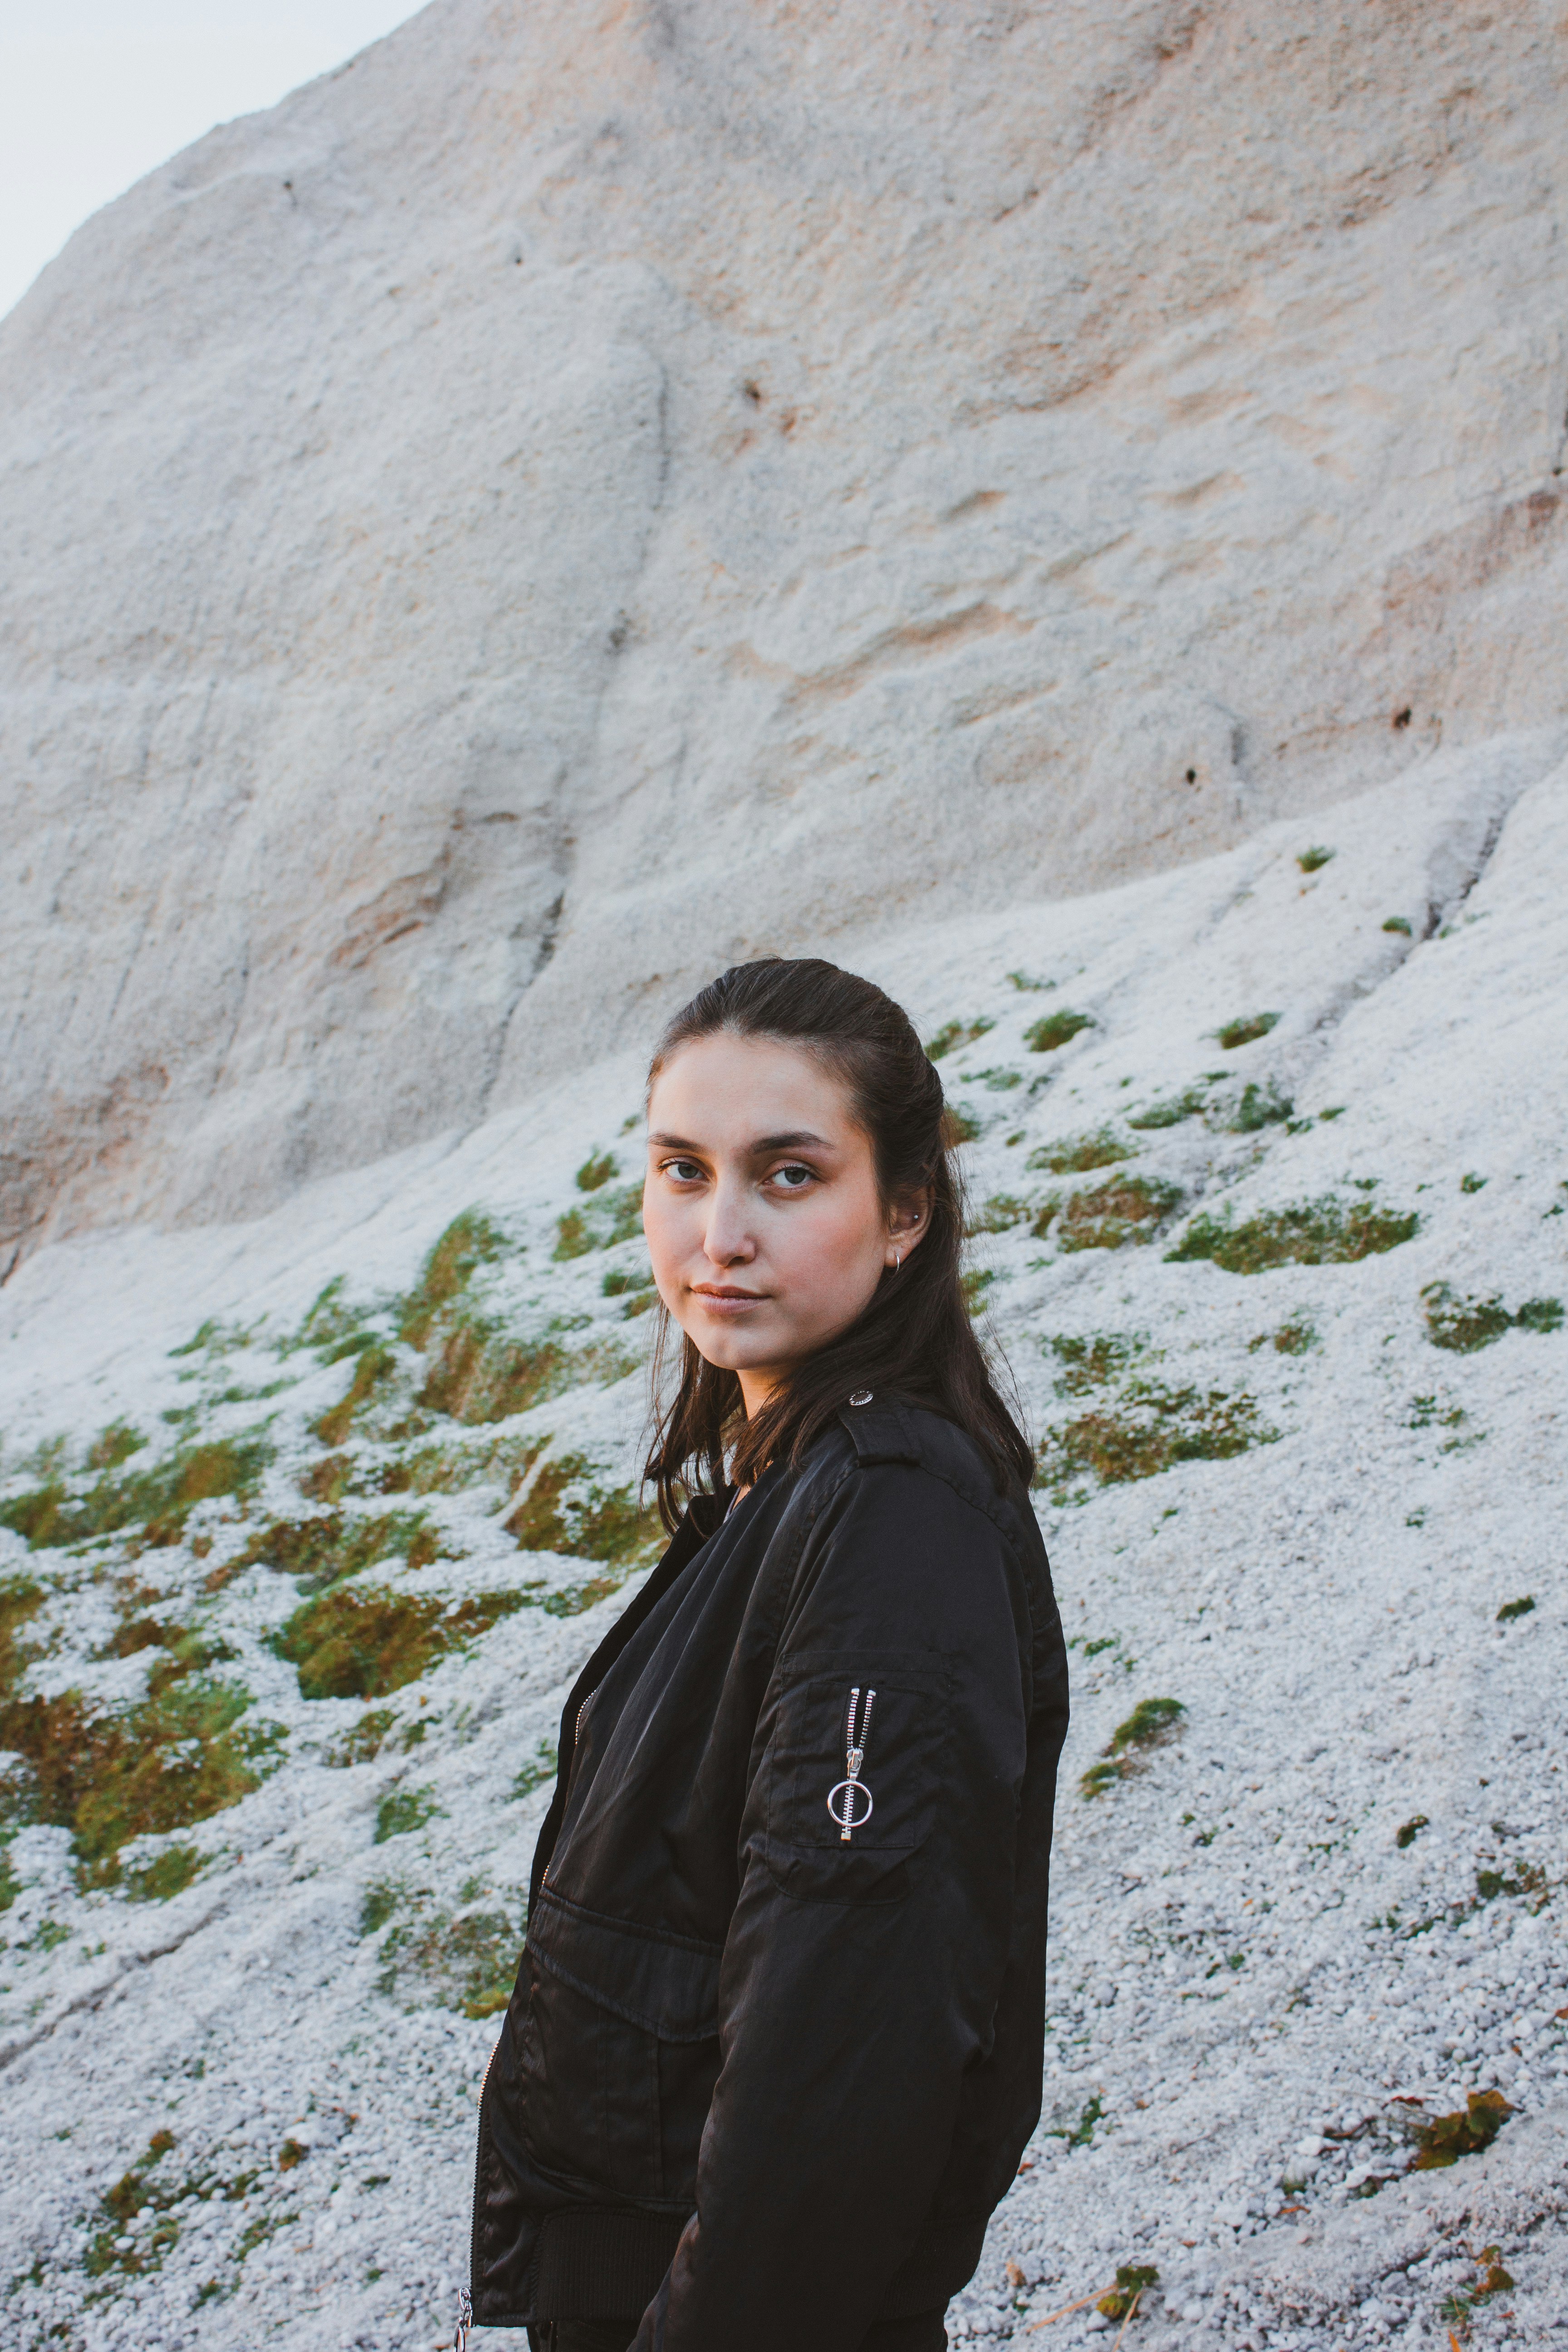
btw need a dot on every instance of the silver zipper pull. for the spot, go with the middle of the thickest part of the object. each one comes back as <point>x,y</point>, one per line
<point>855,1747</point>
<point>465,2319</point>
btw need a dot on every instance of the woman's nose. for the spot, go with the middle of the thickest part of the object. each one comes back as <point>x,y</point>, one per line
<point>728,1240</point>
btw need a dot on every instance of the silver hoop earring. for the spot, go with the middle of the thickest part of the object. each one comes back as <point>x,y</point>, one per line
<point>898,1260</point>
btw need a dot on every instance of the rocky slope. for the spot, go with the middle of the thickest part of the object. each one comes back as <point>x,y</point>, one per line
<point>586,491</point>
<point>308,1521</point>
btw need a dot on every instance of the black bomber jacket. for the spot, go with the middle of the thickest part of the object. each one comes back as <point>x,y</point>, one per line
<point>760,2080</point>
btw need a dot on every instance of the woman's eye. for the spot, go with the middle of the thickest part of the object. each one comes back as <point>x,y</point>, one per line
<point>685,1171</point>
<point>792,1180</point>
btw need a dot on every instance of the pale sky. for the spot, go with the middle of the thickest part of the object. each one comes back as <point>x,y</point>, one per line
<point>93,93</point>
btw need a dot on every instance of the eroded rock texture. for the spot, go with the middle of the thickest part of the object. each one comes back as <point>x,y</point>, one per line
<point>587,492</point>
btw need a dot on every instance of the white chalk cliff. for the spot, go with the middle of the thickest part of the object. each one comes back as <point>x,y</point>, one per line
<point>1059,506</point>
<point>588,491</point>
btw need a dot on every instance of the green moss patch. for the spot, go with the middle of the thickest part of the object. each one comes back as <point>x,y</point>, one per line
<point>1464,1325</point>
<point>467,1963</point>
<point>468,1242</point>
<point>606,1220</point>
<point>1258,1108</point>
<point>114,1445</point>
<point>1000,1214</point>
<point>482,1375</point>
<point>1122,1209</point>
<point>150,1506</point>
<point>1313,861</point>
<point>403,1810</point>
<point>1093,1360</point>
<point>1245,1030</point>
<point>1171,1110</point>
<point>373,1367</point>
<point>1148,1428</point>
<point>597,1171</point>
<point>320,1551</point>
<point>954,1034</point>
<point>1513,1609</point>
<point>1292,1339</point>
<point>1151,1724</point>
<point>1311,1233</point>
<point>354,1642</point>
<point>565,1509</point>
<point>1075,1155</point>
<point>1054,1030</point>
<point>179,1756</point>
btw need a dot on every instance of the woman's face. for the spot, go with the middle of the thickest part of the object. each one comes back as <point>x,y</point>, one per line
<point>762,1213</point>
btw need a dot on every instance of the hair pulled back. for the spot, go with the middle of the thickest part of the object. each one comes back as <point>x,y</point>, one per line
<point>914,1336</point>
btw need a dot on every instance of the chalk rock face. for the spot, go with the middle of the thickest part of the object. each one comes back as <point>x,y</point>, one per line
<point>588,492</point>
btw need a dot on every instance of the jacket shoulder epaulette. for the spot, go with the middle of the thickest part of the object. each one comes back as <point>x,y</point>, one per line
<point>881,1430</point>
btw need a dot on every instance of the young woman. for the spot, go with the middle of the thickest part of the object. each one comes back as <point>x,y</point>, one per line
<point>776,2044</point>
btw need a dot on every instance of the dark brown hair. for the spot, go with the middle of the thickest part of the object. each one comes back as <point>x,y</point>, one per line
<point>914,1337</point>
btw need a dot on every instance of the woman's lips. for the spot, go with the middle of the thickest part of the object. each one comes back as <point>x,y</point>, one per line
<point>729,1302</point>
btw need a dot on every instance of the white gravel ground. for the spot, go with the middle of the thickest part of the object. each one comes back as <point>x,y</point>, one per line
<point>1257,1990</point>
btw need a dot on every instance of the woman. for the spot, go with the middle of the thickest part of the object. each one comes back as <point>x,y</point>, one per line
<point>776,2044</point>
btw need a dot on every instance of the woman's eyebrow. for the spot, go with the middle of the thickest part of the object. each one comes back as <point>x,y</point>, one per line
<point>671,1142</point>
<point>795,1140</point>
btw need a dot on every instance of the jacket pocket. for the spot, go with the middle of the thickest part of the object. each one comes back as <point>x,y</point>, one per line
<point>851,1773</point>
<point>618,2052</point>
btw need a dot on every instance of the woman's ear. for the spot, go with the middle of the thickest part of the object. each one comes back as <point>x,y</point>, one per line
<point>908,1221</point>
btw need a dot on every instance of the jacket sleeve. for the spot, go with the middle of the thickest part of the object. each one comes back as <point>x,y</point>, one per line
<point>860,1976</point>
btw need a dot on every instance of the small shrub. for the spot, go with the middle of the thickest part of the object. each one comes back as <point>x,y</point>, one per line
<point>1397,923</point>
<point>1132,2279</point>
<point>597,1171</point>
<point>1540,1315</point>
<point>1123,1209</point>
<point>1512,1609</point>
<point>1407,1831</point>
<point>290,2155</point>
<point>1077,1154</point>
<point>1245,1029</point>
<point>1314,1233</point>
<point>954,1034</point>
<point>481,1375</point>
<point>1054,1030</point>
<point>1442,2140</point>
<point>1473,1183</point>
<point>1313,861</point>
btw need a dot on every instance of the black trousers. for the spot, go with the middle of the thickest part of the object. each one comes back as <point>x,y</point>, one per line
<point>924,2333</point>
